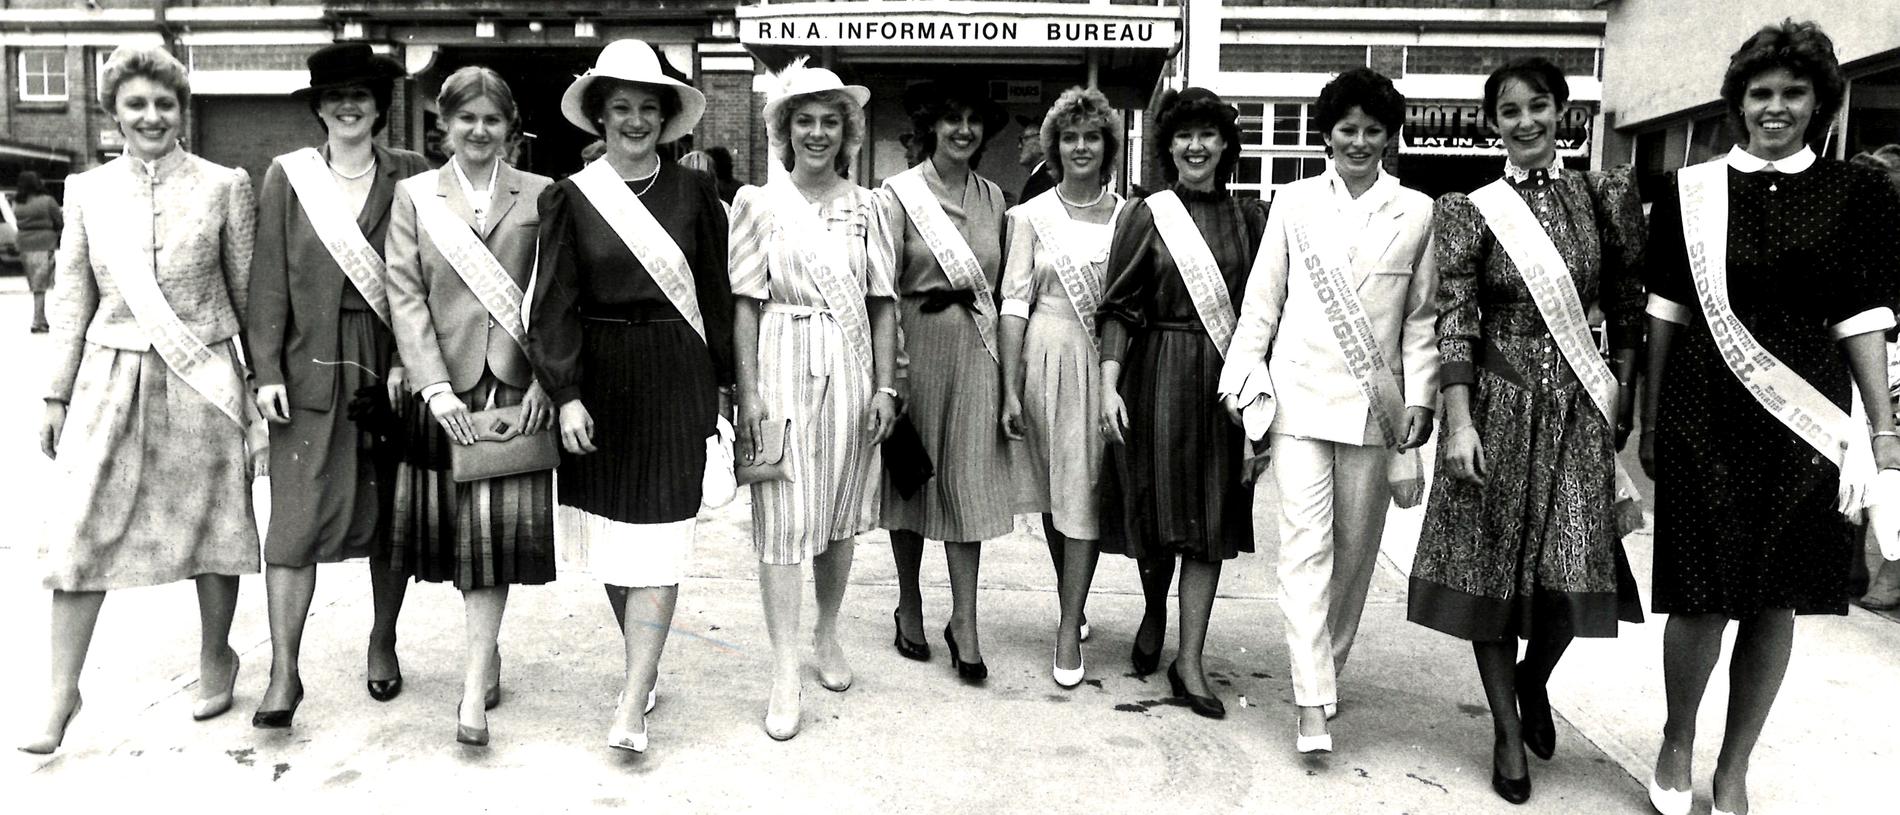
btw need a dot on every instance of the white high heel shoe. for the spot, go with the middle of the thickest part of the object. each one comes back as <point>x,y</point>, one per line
<point>1672,802</point>
<point>1322,743</point>
<point>1068,677</point>
<point>622,739</point>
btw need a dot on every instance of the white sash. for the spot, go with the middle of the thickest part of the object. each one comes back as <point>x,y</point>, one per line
<point>1547,277</point>
<point>1351,326</point>
<point>951,250</point>
<point>1082,282</point>
<point>1198,269</point>
<point>644,236</point>
<point>1794,402</point>
<point>823,255</point>
<point>209,371</point>
<point>470,258</point>
<point>330,216</point>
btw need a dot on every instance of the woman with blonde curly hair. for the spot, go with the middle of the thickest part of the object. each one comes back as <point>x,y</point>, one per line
<point>1052,284</point>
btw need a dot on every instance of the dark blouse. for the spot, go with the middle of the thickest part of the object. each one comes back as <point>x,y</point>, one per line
<point>40,221</point>
<point>585,264</point>
<point>1596,222</point>
<point>1143,285</point>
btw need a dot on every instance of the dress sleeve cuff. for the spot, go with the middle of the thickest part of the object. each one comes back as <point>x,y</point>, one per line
<point>1013,307</point>
<point>430,392</point>
<point>564,394</point>
<point>1879,318</point>
<point>1457,373</point>
<point>1667,310</point>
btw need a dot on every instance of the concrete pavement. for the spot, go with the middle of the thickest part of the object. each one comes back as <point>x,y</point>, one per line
<point>1413,733</point>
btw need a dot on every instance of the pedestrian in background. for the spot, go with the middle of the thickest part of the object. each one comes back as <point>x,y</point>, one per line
<point>722,173</point>
<point>1052,286</point>
<point>39,221</point>
<point>1522,535</point>
<point>1340,438</point>
<point>327,371</point>
<point>461,253</point>
<point>631,334</point>
<point>147,410</point>
<point>1177,484</point>
<point>946,223</point>
<point>1034,157</point>
<point>1785,259</point>
<point>816,331</point>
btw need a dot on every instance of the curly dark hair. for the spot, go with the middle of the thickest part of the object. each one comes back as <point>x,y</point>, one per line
<point>1801,49</point>
<point>1362,88</point>
<point>1537,73</point>
<point>929,102</point>
<point>1196,106</point>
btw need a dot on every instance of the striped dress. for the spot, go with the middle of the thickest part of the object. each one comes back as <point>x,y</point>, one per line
<point>807,374</point>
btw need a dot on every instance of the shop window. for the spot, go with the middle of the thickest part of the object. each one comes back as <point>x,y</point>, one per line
<point>1260,175</point>
<point>43,75</point>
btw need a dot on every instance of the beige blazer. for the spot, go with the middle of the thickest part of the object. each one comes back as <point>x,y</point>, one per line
<point>443,332</point>
<point>1283,323</point>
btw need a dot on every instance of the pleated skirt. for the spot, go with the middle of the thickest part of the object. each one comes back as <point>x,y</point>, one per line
<point>1174,486</point>
<point>332,483</point>
<point>625,512</point>
<point>476,535</point>
<point>807,375</point>
<point>1062,382</point>
<point>956,404</point>
<point>152,482</point>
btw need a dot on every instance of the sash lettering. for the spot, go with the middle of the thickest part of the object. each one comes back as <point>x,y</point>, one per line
<point>470,258</point>
<point>1198,269</point>
<point>1082,282</point>
<point>335,225</point>
<point>644,236</point>
<point>1351,326</point>
<point>951,250</point>
<point>823,255</point>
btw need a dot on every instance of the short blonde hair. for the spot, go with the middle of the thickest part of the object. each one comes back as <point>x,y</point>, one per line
<point>150,61</point>
<point>1084,108</point>
<point>778,129</point>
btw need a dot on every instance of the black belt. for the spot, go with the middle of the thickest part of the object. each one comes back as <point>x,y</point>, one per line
<point>632,314</point>
<point>935,301</point>
<point>1177,325</point>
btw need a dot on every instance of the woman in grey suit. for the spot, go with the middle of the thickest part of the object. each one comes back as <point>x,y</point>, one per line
<point>458,328</point>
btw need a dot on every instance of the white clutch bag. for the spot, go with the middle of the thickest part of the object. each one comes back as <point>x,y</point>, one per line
<point>718,485</point>
<point>1883,513</point>
<point>1258,405</point>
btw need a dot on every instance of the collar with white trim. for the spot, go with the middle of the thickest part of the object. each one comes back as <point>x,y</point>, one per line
<point>1747,162</point>
<point>1536,177</point>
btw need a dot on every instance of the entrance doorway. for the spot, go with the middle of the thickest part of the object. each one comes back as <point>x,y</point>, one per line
<point>538,76</point>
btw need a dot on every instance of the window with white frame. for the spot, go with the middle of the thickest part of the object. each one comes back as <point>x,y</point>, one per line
<point>1277,147</point>
<point>43,75</point>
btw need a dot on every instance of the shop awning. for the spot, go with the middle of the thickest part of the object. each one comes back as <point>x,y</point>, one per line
<point>22,150</point>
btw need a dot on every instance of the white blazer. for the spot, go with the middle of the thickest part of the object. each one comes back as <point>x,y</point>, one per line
<point>1283,326</point>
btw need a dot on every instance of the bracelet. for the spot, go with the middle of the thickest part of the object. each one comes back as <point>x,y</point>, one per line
<point>888,391</point>
<point>1892,433</point>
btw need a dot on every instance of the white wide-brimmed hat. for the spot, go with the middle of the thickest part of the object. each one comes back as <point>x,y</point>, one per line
<point>797,80</point>
<point>635,61</point>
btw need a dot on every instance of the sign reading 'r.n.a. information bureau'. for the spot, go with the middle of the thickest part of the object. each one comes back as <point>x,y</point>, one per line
<point>925,30</point>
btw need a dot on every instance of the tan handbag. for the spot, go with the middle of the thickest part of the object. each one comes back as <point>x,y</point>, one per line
<point>1406,476</point>
<point>501,448</point>
<point>770,463</point>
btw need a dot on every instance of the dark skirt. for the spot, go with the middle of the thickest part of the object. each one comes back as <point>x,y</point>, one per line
<point>331,481</point>
<point>1173,487</point>
<point>480,534</point>
<point>654,398</point>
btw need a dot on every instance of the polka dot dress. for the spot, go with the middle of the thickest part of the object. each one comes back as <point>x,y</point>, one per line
<point>1745,517</point>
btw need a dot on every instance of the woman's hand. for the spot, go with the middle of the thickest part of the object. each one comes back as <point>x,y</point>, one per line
<point>1012,419</point>
<point>537,409</point>
<point>274,402</point>
<point>1231,403</point>
<point>452,414</point>
<point>394,384</point>
<point>749,431</point>
<point>577,429</point>
<point>1464,455</point>
<point>52,422</point>
<point>1418,427</point>
<point>1646,453</point>
<point>883,418</point>
<point>1114,416</point>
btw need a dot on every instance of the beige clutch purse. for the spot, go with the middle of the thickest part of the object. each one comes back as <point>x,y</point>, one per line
<point>770,464</point>
<point>501,449</point>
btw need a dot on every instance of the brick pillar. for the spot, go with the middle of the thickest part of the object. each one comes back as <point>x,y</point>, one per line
<point>733,112</point>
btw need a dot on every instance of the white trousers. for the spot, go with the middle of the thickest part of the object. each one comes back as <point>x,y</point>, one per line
<point>1333,499</point>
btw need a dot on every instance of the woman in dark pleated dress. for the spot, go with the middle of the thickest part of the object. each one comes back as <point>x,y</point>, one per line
<point>1521,537</point>
<point>1748,524</point>
<point>1176,483</point>
<point>634,357</point>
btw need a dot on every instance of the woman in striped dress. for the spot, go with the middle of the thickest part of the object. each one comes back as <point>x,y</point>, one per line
<point>1058,247</point>
<point>463,354</point>
<point>816,339</point>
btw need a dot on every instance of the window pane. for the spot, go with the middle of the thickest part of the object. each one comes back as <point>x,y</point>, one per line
<point>1287,125</point>
<point>1249,170</point>
<point>1286,170</point>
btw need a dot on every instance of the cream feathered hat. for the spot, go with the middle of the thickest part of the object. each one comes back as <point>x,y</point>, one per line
<point>797,80</point>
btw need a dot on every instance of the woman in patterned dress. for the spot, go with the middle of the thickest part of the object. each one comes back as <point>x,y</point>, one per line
<point>152,484</point>
<point>1051,371</point>
<point>825,366</point>
<point>1521,539</point>
<point>482,536</point>
<point>1747,524</point>
<point>1176,483</point>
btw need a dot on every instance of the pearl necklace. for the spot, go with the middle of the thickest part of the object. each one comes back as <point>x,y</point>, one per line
<point>359,174</point>
<point>652,178</point>
<point>1091,202</point>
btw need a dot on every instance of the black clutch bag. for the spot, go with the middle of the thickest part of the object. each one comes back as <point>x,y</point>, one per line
<point>905,459</point>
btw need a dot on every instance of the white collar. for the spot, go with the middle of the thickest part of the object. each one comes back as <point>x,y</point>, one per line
<point>1369,201</point>
<point>476,201</point>
<point>1747,162</point>
<point>1523,174</point>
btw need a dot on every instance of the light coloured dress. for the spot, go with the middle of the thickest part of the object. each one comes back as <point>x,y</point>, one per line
<point>808,374</point>
<point>152,482</point>
<point>1062,375</point>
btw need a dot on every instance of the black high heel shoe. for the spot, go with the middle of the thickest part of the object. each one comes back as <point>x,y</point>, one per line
<point>1144,663</point>
<point>1209,706</point>
<point>967,671</point>
<point>1514,790</point>
<point>919,651</point>
<point>1533,706</point>
<point>278,719</point>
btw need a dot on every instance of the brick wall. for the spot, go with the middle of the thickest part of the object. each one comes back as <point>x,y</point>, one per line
<point>1388,60</point>
<point>1572,5</point>
<point>731,121</point>
<point>1450,59</point>
<point>1320,59</point>
<point>250,57</point>
<point>69,125</point>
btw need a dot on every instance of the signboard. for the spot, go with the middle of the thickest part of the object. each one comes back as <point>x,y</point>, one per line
<point>925,29</point>
<point>1458,128</point>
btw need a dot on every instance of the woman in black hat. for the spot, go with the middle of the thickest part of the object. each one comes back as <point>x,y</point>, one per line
<point>1177,482</point>
<point>947,223</point>
<point>326,367</point>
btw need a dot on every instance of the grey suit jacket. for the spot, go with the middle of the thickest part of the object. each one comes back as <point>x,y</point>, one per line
<point>443,331</point>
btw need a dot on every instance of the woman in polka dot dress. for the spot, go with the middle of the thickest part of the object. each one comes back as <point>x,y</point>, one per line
<point>1746,521</point>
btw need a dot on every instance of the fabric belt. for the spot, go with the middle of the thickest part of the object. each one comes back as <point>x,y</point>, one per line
<point>935,301</point>
<point>820,342</point>
<point>1177,325</point>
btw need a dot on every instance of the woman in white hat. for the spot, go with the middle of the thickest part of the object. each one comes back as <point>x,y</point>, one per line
<point>816,330</point>
<point>631,334</point>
